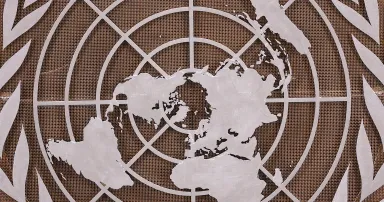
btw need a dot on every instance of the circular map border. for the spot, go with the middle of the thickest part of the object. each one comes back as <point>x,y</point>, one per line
<point>69,5</point>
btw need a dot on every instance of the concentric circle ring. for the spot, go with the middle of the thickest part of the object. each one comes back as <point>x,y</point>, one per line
<point>110,8</point>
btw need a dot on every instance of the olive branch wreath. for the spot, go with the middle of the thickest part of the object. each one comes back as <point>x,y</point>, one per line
<point>11,32</point>
<point>369,182</point>
<point>8,113</point>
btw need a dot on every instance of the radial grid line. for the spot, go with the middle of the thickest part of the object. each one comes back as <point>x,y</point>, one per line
<point>288,4</point>
<point>191,36</point>
<point>254,38</point>
<point>135,158</point>
<point>108,102</point>
<point>193,195</point>
<point>126,38</point>
<point>191,58</point>
<point>279,185</point>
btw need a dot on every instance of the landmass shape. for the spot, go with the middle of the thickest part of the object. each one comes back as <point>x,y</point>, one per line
<point>97,157</point>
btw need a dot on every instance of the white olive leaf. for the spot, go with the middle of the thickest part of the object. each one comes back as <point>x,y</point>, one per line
<point>11,66</point>
<point>10,109</point>
<point>10,32</point>
<point>20,165</point>
<point>371,28</point>
<point>342,191</point>
<point>43,191</point>
<point>8,115</point>
<point>6,185</point>
<point>20,171</point>
<point>375,108</point>
<point>365,161</point>
<point>28,3</point>
<point>379,179</point>
<point>371,61</point>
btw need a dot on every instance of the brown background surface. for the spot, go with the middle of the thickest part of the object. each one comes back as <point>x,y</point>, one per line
<point>92,56</point>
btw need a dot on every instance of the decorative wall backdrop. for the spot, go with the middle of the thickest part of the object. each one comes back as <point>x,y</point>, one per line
<point>192,100</point>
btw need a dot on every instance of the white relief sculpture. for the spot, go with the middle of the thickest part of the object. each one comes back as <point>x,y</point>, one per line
<point>226,158</point>
<point>96,157</point>
<point>154,105</point>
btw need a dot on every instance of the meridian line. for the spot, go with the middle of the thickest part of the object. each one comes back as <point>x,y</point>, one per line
<point>191,37</point>
<point>191,59</point>
<point>193,196</point>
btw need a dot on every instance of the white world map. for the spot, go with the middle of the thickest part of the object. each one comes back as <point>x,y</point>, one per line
<point>237,107</point>
<point>237,102</point>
